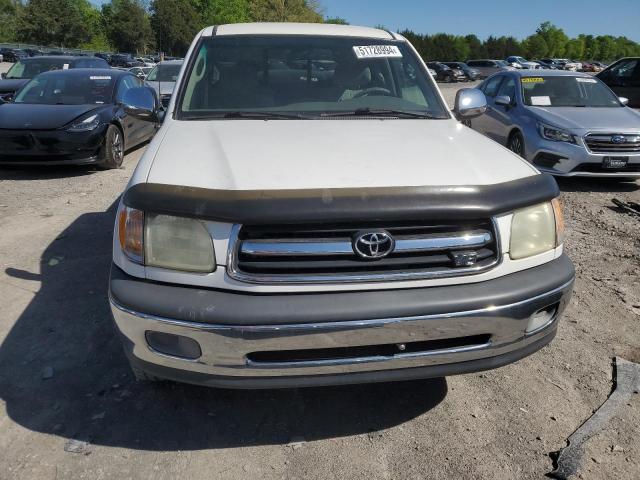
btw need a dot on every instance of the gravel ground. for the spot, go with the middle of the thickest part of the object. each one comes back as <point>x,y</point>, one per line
<point>70,407</point>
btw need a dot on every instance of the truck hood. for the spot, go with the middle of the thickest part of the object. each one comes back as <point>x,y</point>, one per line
<point>615,119</point>
<point>301,154</point>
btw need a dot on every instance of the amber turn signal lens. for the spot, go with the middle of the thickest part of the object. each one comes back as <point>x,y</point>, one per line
<point>557,212</point>
<point>131,233</point>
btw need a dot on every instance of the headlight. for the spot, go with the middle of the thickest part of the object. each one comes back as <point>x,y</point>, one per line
<point>178,243</point>
<point>86,125</point>
<point>555,134</point>
<point>164,241</point>
<point>536,230</point>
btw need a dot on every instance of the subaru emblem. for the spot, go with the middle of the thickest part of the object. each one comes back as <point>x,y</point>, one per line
<point>618,139</point>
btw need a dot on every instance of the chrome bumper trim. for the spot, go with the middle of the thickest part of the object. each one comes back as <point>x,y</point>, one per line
<point>225,348</point>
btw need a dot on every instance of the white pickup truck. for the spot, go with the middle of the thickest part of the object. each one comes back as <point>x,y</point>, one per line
<point>312,213</point>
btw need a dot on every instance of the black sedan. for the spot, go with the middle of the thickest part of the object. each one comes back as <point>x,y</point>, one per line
<point>81,116</point>
<point>27,68</point>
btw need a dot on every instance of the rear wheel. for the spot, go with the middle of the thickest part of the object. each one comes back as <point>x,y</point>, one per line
<point>112,153</point>
<point>516,143</point>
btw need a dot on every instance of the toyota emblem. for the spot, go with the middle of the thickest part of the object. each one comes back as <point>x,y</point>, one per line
<point>373,245</point>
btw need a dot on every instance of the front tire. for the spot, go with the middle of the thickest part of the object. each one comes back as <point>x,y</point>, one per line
<point>516,143</point>
<point>112,153</point>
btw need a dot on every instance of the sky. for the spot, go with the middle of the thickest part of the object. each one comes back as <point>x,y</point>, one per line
<point>493,17</point>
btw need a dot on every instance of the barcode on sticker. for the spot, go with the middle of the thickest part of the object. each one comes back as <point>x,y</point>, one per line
<point>99,78</point>
<point>377,51</point>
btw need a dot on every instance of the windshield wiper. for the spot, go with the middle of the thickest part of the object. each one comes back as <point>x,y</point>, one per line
<point>264,115</point>
<point>380,112</point>
<point>246,115</point>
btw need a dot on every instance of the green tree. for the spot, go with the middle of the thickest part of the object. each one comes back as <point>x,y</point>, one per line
<point>9,11</point>
<point>336,21</point>
<point>174,24</point>
<point>127,25</point>
<point>476,47</point>
<point>219,12</point>
<point>575,48</point>
<point>285,11</point>
<point>54,22</point>
<point>554,37</point>
<point>535,47</point>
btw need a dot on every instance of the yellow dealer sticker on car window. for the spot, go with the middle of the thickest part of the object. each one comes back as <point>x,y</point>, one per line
<point>377,51</point>
<point>532,80</point>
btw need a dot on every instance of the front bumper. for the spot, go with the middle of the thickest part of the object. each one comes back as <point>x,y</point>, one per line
<point>50,147</point>
<point>563,159</point>
<point>253,341</point>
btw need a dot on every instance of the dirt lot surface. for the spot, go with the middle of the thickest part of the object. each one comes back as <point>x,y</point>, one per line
<point>70,408</point>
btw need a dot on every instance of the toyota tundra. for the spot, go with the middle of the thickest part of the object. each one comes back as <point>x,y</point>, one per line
<point>312,213</point>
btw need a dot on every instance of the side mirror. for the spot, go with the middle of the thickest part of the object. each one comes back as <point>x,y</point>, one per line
<point>140,102</point>
<point>469,103</point>
<point>503,100</point>
<point>3,75</point>
<point>624,101</point>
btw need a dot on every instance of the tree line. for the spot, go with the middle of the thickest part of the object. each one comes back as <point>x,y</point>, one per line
<point>548,41</point>
<point>137,25</point>
<point>169,25</point>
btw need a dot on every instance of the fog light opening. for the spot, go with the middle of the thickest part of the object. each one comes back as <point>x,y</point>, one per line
<point>542,318</point>
<point>173,345</point>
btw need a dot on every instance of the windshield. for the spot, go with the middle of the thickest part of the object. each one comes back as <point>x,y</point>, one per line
<point>567,92</point>
<point>165,73</point>
<point>31,68</point>
<point>502,63</point>
<point>65,89</point>
<point>307,75</point>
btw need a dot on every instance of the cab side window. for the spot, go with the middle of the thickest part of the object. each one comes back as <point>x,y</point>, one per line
<point>491,87</point>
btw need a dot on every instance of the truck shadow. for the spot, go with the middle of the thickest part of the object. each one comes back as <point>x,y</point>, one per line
<point>63,372</point>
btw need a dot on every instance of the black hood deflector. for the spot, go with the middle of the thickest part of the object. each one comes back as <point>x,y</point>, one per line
<point>267,207</point>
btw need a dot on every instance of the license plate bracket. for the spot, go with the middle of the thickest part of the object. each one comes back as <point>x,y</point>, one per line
<point>615,162</point>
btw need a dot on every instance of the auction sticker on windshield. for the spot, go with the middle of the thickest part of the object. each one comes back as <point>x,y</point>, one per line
<point>532,80</point>
<point>377,51</point>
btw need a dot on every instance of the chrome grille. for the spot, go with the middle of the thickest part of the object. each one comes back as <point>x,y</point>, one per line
<point>606,142</point>
<point>325,253</point>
